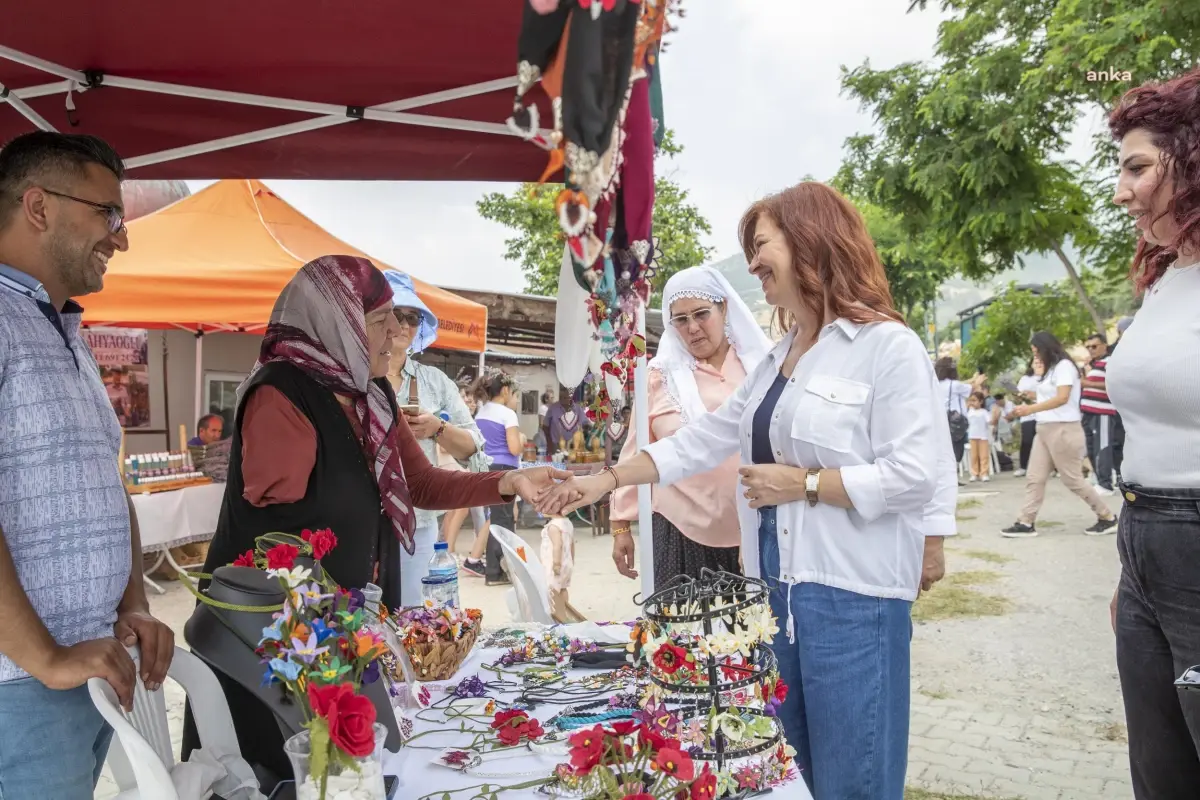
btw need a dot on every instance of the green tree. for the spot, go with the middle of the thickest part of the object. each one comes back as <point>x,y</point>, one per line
<point>1051,62</point>
<point>1002,339</point>
<point>964,161</point>
<point>537,243</point>
<point>915,271</point>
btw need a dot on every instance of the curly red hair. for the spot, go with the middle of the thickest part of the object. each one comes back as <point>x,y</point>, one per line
<point>833,257</point>
<point>1170,113</point>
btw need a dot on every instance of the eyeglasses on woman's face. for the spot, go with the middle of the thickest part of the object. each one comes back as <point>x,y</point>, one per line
<point>700,315</point>
<point>407,316</point>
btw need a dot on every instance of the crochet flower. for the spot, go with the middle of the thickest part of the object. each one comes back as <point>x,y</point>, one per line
<point>321,542</point>
<point>282,556</point>
<point>705,785</point>
<point>308,650</point>
<point>675,763</point>
<point>289,670</point>
<point>246,559</point>
<point>587,747</point>
<point>294,576</point>
<point>669,658</point>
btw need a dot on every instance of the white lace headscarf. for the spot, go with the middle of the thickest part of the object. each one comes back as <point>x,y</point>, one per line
<point>673,359</point>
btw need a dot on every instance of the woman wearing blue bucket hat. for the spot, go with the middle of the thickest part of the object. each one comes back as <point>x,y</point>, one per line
<point>436,414</point>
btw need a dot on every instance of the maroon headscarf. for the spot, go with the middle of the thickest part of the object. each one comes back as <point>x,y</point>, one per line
<point>319,324</point>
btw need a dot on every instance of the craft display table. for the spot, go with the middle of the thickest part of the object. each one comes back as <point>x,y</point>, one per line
<point>175,518</point>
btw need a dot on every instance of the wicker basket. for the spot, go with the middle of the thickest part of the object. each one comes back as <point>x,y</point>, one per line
<point>439,660</point>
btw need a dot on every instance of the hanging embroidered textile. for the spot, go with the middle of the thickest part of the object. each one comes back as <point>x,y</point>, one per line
<point>597,61</point>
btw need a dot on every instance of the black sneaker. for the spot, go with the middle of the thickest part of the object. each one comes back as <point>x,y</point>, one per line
<point>503,580</point>
<point>1018,530</point>
<point>1103,527</point>
<point>473,568</point>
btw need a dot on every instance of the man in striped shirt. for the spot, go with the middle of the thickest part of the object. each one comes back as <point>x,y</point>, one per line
<point>1101,422</point>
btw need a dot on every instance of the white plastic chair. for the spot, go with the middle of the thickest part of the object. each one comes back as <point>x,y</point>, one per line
<point>141,755</point>
<point>529,599</point>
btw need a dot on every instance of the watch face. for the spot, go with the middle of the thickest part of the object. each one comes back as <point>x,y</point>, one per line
<point>811,482</point>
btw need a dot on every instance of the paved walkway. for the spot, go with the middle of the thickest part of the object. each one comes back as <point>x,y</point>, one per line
<point>1024,705</point>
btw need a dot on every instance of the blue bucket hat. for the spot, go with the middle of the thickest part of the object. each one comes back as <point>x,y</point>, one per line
<point>404,295</point>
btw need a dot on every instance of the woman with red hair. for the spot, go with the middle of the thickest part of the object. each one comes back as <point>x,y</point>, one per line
<point>1153,379</point>
<point>848,484</point>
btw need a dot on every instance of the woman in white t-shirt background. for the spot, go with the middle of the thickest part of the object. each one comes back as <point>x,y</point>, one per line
<point>498,394</point>
<point>1060,441</point>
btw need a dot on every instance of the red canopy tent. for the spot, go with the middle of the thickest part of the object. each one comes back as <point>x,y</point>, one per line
<point>302,89</point>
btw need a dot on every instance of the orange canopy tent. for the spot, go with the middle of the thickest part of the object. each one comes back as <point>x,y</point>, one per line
<point>216,261</point>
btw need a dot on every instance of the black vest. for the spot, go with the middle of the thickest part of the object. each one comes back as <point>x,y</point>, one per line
<point>342,492</point>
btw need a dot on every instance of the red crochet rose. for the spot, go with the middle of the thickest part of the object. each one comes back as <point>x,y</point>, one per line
<point>351,717</point>
<point>321,541</point>
<point>781,690</point>
<point>246,559</point>
<point>282,556</point>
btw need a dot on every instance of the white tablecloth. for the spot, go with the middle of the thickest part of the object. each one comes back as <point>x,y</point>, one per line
<point>419,776</point>
<point>173,519</point>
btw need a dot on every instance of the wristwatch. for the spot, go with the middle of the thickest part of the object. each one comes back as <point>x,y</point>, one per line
<point>812,485</point>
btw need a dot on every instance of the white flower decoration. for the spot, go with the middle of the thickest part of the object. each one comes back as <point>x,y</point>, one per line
<point>294,577</point>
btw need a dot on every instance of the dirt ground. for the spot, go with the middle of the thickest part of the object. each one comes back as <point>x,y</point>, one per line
<point>1023,704</point>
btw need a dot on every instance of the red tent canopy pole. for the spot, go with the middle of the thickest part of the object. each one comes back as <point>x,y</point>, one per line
<point>331,114</point>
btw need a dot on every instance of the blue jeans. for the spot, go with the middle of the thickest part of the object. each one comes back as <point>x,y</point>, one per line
<point>53,743</point>
<point>848,676</point>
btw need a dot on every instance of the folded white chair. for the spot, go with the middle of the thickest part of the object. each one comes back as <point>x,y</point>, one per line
<point>528,579</point>
<point>141,757</point>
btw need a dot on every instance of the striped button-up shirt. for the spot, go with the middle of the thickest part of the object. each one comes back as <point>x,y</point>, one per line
<point>63,507</point>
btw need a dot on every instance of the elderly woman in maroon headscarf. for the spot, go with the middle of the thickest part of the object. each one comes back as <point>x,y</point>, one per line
<point>318,443</point>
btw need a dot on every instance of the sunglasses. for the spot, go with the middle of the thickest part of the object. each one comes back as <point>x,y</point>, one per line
<point>410,318</point>
<point>700,315</point>
<point>114,216</point>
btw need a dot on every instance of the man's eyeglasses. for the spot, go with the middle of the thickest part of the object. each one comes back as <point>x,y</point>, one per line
<point>701,316</point>
<point>114,216</point>
<point>410,318</point>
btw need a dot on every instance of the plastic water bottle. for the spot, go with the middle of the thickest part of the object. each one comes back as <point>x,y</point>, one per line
<point>441,584</point>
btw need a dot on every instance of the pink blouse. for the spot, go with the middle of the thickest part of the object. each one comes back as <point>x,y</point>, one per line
<point>703,507</point>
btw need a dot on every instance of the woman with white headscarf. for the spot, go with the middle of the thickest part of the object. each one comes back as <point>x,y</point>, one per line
<point>435,412</point>
<point>709,344</point>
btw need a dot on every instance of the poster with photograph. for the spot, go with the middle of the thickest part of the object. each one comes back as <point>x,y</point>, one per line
<point>123,356</point>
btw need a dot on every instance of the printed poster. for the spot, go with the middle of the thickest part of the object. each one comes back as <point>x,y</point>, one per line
<point>123,357</point>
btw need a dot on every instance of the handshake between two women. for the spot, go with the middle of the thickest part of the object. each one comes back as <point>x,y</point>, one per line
<point>555,492</point>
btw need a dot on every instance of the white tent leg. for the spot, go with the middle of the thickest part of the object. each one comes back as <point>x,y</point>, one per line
<point>199,377</point>
<point>641,413</point>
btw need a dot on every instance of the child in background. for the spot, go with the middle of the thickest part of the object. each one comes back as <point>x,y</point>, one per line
<point>558,559</point>
<point>977,432</point>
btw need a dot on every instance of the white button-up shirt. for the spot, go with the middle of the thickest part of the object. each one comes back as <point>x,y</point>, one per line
<point>862,400</point>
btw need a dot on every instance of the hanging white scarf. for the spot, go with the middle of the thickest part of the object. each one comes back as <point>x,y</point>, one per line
<point>674,361</point>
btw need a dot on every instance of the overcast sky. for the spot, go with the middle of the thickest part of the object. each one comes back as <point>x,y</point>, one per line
<point>751,89</point>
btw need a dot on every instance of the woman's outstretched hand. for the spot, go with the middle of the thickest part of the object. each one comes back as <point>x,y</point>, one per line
<point>576,493</point>
<point>532,483</point>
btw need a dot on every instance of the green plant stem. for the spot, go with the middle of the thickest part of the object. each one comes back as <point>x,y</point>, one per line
<point>328,764</point>
<point>497,789</point>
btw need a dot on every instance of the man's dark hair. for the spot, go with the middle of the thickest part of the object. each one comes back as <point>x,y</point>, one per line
<point>1100,337</point>
<point>207,418</point>
<point>41,156</point>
